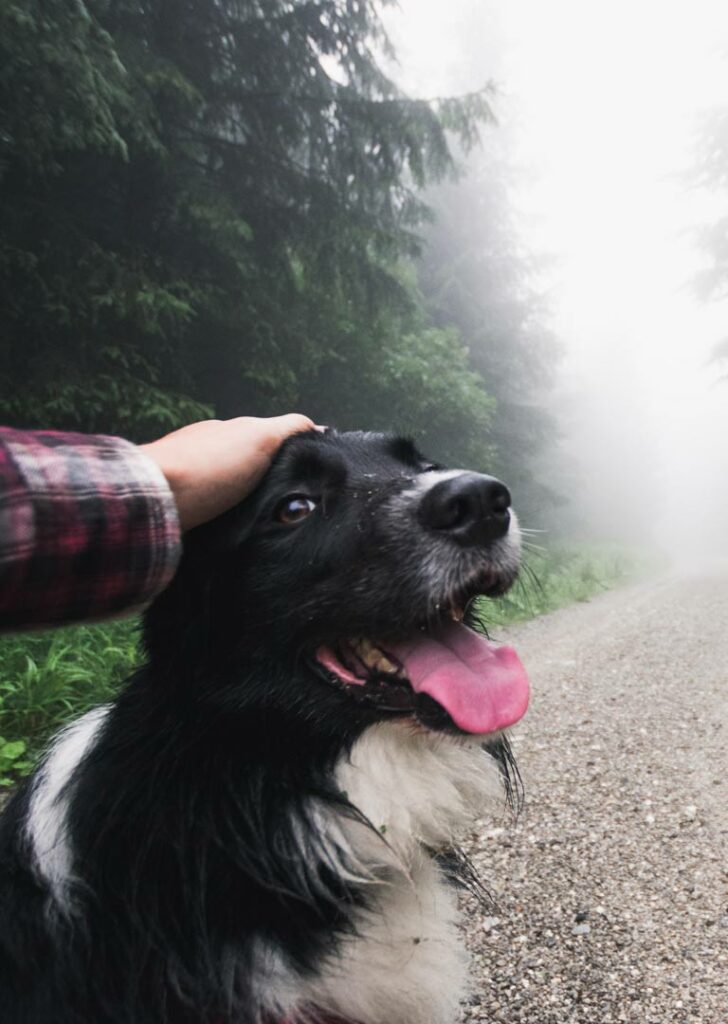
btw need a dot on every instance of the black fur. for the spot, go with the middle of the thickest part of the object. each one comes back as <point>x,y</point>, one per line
<point>190,819</point>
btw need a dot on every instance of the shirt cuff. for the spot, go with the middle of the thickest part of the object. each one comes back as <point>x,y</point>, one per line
<point>88,528</point>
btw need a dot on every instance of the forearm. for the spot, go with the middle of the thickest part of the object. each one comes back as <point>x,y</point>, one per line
<point>88,528</point>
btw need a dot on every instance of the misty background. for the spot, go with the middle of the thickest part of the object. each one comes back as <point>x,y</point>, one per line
<point>501,227</point>
<point>613,122</point>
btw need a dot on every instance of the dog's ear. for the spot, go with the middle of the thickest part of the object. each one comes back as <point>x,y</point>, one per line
<point>177,621</point>
<point>220,536</point>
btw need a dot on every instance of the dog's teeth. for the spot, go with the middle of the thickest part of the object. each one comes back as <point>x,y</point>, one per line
<point>457,614</point>
<point>385,665</point>
<point>372,656</point>
<point>369,654</point>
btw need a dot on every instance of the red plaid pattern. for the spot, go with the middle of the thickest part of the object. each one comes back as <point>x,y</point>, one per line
<point>88,528</point>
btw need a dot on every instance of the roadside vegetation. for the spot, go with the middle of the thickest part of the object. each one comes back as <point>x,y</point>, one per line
<point>48,679</point>
<point>563,574</point>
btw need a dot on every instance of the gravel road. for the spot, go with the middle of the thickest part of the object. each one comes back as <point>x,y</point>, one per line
<point>611,889</point>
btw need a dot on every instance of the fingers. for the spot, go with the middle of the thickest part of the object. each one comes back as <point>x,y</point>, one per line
<point>273,430</point>
<point>291,423</point>
<point>213,464</point>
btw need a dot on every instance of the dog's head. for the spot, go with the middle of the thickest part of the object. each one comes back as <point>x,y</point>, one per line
<point>350,569</point>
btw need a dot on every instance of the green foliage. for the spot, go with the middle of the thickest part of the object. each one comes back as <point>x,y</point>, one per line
<point>215,208</point>
<point>561,575</point>
<point>205,205</point>
<point>13,762</point>
<point>447,408</point>
<point>62,85</point>
<point>134,407</point>
<point>50,678</point>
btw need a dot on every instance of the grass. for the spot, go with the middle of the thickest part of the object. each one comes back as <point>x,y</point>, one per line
<point>560,575</point>
<point>48,679</point>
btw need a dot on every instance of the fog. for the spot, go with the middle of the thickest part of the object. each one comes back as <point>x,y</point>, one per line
<point>600,110</point>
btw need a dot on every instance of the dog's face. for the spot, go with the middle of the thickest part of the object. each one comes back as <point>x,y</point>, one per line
<point>357,558</point>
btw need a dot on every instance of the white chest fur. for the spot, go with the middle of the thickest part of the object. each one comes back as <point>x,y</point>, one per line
<point>406,965</point>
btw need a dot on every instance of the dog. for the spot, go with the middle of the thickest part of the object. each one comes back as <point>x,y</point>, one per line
<point>259,829</point>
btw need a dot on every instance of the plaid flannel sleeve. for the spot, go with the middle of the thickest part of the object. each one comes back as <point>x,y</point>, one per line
<point>88,528</point>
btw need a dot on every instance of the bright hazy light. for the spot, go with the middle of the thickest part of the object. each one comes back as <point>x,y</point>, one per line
<point>600,105</point>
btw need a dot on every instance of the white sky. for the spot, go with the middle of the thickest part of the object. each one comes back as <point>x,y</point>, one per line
<point>599,104</point>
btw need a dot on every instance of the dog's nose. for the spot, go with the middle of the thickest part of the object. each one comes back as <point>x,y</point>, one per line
<point>471,508</point>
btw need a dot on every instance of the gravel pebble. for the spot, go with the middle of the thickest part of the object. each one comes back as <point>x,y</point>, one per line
<point>611,889</point>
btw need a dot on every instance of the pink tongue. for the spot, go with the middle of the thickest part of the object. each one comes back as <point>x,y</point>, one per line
<point>482,687</point>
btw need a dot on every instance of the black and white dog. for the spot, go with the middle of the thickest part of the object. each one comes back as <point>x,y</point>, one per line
<point>253,831</point>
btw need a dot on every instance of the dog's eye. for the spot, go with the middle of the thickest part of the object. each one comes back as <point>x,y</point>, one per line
<point>295,508</point>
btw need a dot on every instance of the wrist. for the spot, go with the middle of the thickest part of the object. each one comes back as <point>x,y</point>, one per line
<point>174,475</point>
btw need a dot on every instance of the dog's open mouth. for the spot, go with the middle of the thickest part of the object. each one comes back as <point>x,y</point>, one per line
<point>479,686</point>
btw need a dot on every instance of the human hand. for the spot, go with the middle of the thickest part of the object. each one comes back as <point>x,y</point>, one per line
<point>212,465</point>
